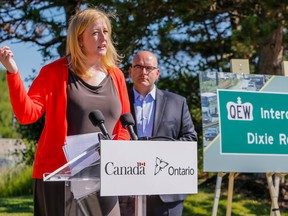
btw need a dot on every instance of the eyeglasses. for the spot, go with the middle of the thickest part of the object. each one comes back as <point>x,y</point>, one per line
<point>148,69</point>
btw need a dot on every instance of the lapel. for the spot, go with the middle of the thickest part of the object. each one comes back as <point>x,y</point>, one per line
<point>131,98</point>
<point>159,110</point>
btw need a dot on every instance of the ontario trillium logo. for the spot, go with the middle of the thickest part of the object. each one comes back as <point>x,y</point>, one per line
<point>160,165</point>
<point>240,111</point>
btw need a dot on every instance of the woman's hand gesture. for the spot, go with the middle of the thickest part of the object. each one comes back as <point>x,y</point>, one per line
<point>6,58</point>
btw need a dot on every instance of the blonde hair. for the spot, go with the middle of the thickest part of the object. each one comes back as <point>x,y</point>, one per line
<point>78,23</point>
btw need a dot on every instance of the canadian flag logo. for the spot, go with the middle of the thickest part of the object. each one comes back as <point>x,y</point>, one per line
<point>142,164</point>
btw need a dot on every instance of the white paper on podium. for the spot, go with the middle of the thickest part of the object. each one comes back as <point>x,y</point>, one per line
<point>74,146</point>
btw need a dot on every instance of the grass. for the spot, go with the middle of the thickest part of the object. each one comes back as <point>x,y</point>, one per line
<point>16,181</point>
<point>250,196</point>
<point>13,184</point>
<point>199,204</point>
<point>16,206</point>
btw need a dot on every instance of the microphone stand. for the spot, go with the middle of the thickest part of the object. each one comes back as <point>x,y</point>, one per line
<point>140,200</point>
<point>140,205</point>
<point>128,122</point>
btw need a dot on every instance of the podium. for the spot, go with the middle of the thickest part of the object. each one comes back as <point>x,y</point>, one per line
<point>82,180</point>
<point>132,168</point>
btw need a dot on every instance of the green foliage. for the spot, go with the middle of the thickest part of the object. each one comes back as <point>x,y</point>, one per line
<point>7,121</point>
<point>187,85</point>
<point>187,36</point>
<point>16,206</point>
<point>202,203</point>
<point>16,181</point>
<point>199,204</point>
<point>30,135</point>
<point>32,132</point>
<point>207,33</point>
<point>26,155</point>
<point>10,128</point>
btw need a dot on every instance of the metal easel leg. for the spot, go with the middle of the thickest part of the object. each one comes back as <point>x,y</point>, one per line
<point>217,192</point>
<point>278,177</point>
<point>273,195</point>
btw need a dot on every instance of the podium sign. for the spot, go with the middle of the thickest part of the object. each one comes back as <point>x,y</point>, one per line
<point>148,167</point>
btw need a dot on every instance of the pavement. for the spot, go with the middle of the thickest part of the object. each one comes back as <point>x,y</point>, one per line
<point>7,148</point>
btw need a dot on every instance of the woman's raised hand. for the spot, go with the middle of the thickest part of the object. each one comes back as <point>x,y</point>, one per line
<point>6,58</point>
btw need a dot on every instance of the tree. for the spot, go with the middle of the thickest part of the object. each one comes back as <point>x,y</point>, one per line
<point>192,36</point>
<point>187,36</point>
<point>7,121</point>
<point>258,32</point>
<point>49,21</point>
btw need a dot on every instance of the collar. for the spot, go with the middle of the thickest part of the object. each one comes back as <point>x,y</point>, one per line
<point>152,93</point>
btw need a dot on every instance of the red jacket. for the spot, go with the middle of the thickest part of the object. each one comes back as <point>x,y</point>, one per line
<point>47,94</point>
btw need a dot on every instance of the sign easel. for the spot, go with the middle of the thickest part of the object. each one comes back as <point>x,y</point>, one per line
<point>237,66</point>
<point>274,187</point>
<point>240,66</point>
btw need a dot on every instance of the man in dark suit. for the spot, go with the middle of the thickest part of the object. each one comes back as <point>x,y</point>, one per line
<point>158,113</point>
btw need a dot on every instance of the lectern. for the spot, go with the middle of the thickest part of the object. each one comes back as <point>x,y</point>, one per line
<point>132,168</point>
<point>82,176</point>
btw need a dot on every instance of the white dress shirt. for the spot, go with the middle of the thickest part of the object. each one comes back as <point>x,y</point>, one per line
<point>144,110</point>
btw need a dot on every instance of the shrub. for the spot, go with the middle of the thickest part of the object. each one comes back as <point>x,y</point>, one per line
<point>16,181</point>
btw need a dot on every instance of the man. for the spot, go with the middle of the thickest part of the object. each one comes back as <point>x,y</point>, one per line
<point>158,113</point>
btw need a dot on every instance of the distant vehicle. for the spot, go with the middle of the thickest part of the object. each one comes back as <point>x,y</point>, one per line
<point>251,86</point>
<point>259,81</point>
<point>206,118</point>
<point>210,133</point>
<point>209,103</point>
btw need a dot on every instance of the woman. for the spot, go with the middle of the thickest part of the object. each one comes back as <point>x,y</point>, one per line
<point>66,91</point>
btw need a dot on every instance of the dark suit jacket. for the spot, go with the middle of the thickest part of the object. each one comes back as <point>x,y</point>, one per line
<point>172,119</point>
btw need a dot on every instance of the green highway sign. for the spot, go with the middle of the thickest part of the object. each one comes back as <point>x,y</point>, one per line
<point>253,122</point>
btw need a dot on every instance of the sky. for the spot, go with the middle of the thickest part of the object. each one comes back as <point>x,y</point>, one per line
<point>27,55</point>
<point>27,58</point>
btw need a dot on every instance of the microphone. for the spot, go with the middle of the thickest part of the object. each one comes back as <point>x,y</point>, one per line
<point>128,122</point>
<point>97,119</point>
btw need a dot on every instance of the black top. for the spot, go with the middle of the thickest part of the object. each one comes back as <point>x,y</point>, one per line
<point>83,98</point>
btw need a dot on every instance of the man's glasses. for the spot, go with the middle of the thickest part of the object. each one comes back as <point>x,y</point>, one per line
<point>148,69</point>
